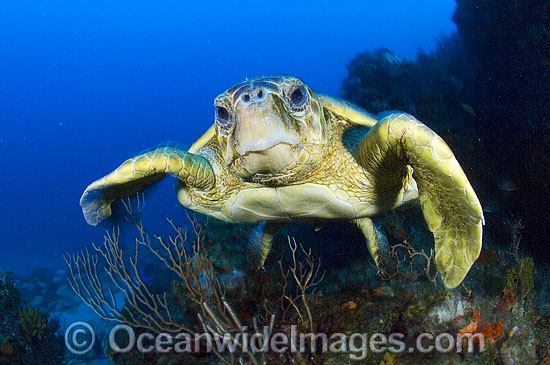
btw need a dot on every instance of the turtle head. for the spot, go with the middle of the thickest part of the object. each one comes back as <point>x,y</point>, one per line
<point>270,129</point>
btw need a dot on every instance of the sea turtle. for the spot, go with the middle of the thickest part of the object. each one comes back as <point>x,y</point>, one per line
<point>279,152</point>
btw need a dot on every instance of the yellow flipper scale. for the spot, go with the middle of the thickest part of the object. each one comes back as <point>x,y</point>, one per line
<point>140,171</point>
<point>449,203</point>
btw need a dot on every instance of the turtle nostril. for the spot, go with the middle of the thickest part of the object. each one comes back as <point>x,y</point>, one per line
<point>253,96</point>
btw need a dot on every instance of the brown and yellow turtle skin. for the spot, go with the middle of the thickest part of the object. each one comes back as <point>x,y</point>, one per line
<point>279,152</point>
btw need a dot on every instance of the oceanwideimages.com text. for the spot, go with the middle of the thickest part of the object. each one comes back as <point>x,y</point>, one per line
<point>123,339</point>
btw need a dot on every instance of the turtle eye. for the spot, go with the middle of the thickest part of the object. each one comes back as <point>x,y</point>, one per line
<point>222,113</point>
<point>298,97</point>
<point>222,117</point>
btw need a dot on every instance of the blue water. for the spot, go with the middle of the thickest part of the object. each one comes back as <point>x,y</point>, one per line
<point>85,84</point>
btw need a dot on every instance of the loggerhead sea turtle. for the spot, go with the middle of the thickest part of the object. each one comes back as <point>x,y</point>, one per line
<point>280,152</point>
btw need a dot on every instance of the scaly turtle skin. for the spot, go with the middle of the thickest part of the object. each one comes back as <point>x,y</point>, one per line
<point>280,152</point>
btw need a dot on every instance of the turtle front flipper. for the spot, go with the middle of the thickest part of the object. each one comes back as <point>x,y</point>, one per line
<point>449,203</point>
<point>137,172</point>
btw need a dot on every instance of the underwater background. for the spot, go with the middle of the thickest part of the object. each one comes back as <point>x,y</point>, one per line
<point>85,85</point>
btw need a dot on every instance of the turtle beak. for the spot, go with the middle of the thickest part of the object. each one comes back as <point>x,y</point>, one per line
<point>260,124</point>
<point>264,138</point>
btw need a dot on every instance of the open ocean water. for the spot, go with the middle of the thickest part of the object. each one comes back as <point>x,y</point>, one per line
<point>84,85</point>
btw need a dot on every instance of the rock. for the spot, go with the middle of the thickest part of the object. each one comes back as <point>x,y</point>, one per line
<point>448,310</point>
<point>387,291</point>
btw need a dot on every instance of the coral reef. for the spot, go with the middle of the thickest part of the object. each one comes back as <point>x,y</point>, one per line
<point>27,335</point>
<point>293,290</point>
<point>485,91</point>
<point>198,288</point>
<point>512,65</point>
<point>520,283</point>
<point>432,87</point>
